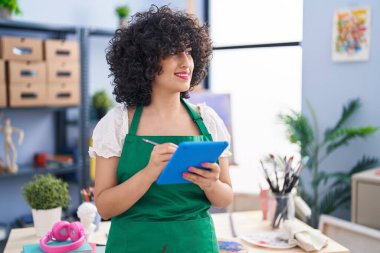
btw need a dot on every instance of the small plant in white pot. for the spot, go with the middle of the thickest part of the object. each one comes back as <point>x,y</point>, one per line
<point>46,195</point>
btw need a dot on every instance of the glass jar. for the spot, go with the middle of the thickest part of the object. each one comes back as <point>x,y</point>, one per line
<point>281,207</point>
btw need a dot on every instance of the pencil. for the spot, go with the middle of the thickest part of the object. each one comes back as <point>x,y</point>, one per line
<point>149,141</point>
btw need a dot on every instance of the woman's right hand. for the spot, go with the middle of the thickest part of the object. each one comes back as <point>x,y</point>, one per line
<point>159,157</point>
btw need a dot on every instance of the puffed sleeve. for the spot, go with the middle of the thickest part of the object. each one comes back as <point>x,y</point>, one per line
<point>215,126</point>
<point>109,134</point>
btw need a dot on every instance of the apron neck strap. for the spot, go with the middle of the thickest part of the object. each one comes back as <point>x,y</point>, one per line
<point>135,120</point>
<point>196,118</point>
<point>193,114</point>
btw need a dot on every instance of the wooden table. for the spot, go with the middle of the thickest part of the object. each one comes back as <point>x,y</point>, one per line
<point>244,223</point>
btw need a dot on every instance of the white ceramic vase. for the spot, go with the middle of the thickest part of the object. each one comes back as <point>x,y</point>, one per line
<point>45,219</point>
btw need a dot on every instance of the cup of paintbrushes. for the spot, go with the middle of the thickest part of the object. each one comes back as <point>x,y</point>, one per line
<point>281,208</point>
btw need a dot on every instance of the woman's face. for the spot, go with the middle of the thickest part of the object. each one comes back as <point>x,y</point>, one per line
<point>177,69</point>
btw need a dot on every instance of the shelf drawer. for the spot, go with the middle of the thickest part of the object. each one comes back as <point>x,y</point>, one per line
<point>27,72</point>
<point>63,94</point>
<point>3,95</point>
<point>22,95</point>
<point>21,48</point>
<point>62,50</point>
<point>2,72</point>
<point>63,72</point>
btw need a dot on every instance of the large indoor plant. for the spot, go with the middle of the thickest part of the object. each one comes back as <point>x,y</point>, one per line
<point>46,195</point>
<point>101,103</point>
<point>338,193</point>
<point>8,7</point>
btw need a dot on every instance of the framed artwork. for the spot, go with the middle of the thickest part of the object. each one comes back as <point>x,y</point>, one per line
<point>351,35</point>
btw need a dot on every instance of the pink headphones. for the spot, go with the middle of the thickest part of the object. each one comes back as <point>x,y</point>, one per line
<point>63,230</point>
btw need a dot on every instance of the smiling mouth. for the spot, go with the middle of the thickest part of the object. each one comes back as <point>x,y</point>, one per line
<point>184,75</point>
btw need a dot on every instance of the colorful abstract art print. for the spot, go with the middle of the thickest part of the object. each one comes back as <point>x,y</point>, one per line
<point>351,35</point>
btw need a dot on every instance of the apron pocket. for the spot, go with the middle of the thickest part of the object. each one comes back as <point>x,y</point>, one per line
<point>190,236</point>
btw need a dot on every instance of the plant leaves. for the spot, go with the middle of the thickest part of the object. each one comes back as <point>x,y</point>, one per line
<point>320,176</point>
<point>46,192</point>
<point>333,198</point>
<point>347,112</point>
<point>363,164</point>
<point>299,131</point>
<point>348,134</point>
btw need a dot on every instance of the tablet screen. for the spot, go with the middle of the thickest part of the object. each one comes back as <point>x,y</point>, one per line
<point>190,154</point>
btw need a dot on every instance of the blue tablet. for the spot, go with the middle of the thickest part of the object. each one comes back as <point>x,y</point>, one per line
<point>190,154</point>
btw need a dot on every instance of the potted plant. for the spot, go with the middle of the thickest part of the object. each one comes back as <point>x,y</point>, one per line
<point>122,13</point>
<point>101,103</point>
<point>7,7</point>
<point>46,195</point>
<point>305,134</point>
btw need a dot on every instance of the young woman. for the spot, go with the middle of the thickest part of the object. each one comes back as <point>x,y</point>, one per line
<point>155,62</point>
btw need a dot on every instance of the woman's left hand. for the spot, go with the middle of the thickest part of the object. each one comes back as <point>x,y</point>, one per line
<point>205,179</point>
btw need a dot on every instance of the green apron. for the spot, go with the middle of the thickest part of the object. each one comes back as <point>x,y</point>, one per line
<point>168,218</point>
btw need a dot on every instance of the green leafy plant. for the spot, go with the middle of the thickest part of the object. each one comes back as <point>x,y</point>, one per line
<point>101,103</point>
<point>338,193</point>
<point>122,11</point>
<point>11,5</point>
<point>46,192</point>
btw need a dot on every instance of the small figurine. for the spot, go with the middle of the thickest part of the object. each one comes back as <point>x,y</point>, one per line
<point>86,213</point>
<point>9,146</point>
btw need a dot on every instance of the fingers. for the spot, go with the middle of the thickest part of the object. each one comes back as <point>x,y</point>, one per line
<point>196,179</point>
<point>205,179</point>
<point>204,183</point>
<point>166,148</point>
<point>205,173</point>
<point>211,166</point>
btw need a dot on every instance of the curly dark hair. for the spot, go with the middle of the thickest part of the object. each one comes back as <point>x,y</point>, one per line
<point>135,52</point>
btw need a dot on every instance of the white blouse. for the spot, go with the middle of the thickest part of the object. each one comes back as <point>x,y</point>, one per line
<point>109,134</point>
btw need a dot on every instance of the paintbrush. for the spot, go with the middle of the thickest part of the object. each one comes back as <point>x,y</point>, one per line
<point>268,179</point>
<point>288,164</point>
<point>275,171</point>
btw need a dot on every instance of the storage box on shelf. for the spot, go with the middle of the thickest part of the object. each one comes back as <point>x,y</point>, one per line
<point>2,72</point>
<point>63,94</point>
<point>63,72</point>
<point>27,83</point>
<point>61,51</point>
<point>27,95</point>
<point>3,89</point>
<point>63,76</point>
<point>3,95</point>
<point>27,72</point>
<point>21,48</point>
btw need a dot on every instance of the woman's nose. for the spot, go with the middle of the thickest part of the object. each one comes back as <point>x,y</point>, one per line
<point>185,60</point>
